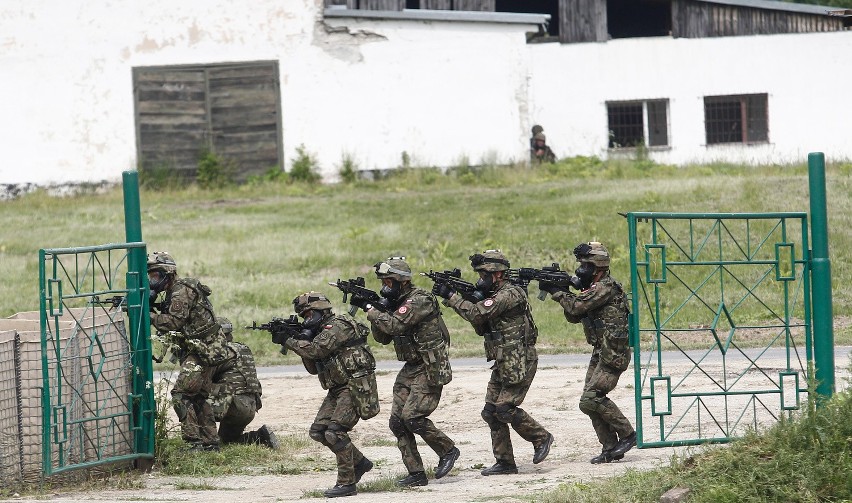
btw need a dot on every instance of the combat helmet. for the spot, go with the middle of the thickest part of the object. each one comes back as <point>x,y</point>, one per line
<point>394,268</point>
<point>161,261</point>
<point>489,260</point>
<point>593,252</point>
<point>537,129</point>
<point>311,300</point>
<point>540,136</point>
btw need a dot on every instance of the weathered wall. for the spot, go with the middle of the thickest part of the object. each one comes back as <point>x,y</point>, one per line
<point>436,90</point>
<point>440,91</point>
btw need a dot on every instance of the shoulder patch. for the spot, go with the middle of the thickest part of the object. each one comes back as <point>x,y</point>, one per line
<point>402,310</point>
<point>329,326</point>
<point>488,302</point>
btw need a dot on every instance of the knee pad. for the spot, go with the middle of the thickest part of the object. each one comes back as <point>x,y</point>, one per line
<point>397,427</point>
<point>416,425</point>
<point>317,432</point>
<point>590,402</point>
<point>505,412</point>
<point>336,437</point>
<point>488,414</point>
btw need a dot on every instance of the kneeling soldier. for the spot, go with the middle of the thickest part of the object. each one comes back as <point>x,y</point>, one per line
<point>236,395</point>
<point>335,349</point>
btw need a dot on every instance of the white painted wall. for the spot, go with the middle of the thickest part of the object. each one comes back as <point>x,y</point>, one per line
<point>808,78</point>
<point>438,90</point>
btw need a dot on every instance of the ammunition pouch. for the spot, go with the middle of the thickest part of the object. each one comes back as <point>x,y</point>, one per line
<point>511,356</point>
<point>436,356</point>
<point>590,327</point>
<point>405,348</point>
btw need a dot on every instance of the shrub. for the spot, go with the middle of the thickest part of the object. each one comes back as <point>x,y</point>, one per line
<point>304,167</point>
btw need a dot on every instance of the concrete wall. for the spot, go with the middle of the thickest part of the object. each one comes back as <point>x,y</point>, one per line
<point>440,91</point>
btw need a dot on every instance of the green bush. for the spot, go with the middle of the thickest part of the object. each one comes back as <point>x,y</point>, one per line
<point>348,169</point>
<point>214,172</point>
<point>304,167</point>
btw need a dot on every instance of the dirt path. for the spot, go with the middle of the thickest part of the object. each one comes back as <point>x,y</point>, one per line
<point>291,399</point>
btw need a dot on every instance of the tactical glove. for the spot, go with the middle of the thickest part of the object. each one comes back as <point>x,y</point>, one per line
<point>443,290</point>
<point>546,286</point>
<point>359,302</point>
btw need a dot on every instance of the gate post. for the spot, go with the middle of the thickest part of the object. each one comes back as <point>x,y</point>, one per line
<point>823,321</point>
<point>143,376</point>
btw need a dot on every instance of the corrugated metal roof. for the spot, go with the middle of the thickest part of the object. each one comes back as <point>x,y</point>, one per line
<point>440,15</point>
<point>820,10</point>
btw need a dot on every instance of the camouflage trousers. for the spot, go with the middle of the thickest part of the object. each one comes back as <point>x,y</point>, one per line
<point>609,422</point>
<point>189,398</point>
<point>501,410</point>
<point>240,413</point>
<point>336,417</point>
<point>413,400</point>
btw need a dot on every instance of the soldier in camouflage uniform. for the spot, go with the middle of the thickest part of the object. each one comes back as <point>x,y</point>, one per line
<point>187,313</point>
<point>540,152</point>
<point>236,395</point>
<point>505,320</point>
<point>334,347</point>
<point>602,309</point>
<point>415,326</point>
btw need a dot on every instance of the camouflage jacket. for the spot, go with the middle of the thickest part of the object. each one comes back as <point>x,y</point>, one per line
<point>338,352</point>
<point>417,323</point>
<point>236,376</point>
<point>603,310</point>
<point>546,155</point>
<point>505,316</point>
<point>187,310</point>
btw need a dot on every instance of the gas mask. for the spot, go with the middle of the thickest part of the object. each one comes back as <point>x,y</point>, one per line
<point>391,292</point>
<point>311,324</point>
<point>485,283</point>
<point>586,273</point>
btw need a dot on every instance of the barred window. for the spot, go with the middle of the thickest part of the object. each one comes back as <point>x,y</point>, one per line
<point>736,119</point>
<point>629,120</point>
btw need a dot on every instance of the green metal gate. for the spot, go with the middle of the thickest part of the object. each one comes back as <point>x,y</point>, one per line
<point>720,325</point>
<point>97,405</point>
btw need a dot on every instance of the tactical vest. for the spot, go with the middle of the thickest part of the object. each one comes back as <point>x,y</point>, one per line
<point>202,323</point>
<point>352,358</point>
<point>353,365</point>
<point>606,329</point>
<point>511,338</point>
<point>241,374</point>
<point>427,343</point>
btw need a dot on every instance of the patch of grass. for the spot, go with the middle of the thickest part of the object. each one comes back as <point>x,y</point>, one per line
<point>297,454</point>
<point>273,243</point>
<point>193,485</point>
<point>803,459</point>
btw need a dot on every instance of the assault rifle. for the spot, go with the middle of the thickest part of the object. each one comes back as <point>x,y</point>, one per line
<point>359,295</point>
<point>281,330</point>
<point>120,301</point>
<point>170,341</point>
<point>453,279</point>
<point>550,275</point>
<point>113,302</point>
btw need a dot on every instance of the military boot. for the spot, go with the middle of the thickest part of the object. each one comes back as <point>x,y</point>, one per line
<point>624,445</point>
<point>341,490</point>
<point>363,466</point>
<point>542,450</point>
<point>606,456</point>
<point>445,464</point>
<point>413,480</point>
<point>501,468</point>
<point>266,437</point>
